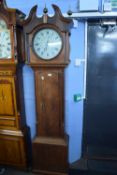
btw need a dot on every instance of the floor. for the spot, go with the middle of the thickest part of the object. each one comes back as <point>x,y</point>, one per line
<point>9,171</point>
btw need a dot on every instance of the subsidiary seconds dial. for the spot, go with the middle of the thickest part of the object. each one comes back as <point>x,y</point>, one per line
<point>47,43</point>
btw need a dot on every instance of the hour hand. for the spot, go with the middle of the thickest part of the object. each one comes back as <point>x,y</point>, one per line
<point>45,48</point>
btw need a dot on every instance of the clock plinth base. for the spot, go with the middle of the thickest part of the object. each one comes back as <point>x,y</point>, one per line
<point>50,156</point>
<point>13,148</point>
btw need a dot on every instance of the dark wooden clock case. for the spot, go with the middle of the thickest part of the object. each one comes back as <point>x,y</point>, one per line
<point>13,129</point>
<point>50,145</point>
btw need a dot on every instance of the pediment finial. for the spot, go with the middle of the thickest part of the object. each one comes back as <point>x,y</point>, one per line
<point>3,2</point>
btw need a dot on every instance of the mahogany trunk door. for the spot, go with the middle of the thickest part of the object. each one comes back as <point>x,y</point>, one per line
<point>49,98</point>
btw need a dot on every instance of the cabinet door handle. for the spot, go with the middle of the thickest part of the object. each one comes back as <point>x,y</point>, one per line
<point>42,106</point>
<point>2,97</point>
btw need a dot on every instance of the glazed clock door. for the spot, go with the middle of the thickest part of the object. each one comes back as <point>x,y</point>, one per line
<point>49,98</point>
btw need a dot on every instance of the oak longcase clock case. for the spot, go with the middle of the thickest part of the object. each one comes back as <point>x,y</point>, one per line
<point>47,52</point>
<point>13,129</point>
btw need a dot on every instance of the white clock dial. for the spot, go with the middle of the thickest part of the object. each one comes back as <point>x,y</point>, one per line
<point>5,44</point>
<point>47,43</point>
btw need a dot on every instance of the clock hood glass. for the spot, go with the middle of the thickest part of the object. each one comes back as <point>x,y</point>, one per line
<point>47,43</point>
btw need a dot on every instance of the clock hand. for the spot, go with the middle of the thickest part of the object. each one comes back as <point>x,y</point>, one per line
<point>45,49</point>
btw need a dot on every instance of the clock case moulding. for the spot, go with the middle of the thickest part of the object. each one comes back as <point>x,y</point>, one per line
<point>50,145</point>
<point>14,133</point>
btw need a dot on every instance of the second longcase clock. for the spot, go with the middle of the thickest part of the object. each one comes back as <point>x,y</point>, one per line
<point>13,129</point>
<point>47,52</point>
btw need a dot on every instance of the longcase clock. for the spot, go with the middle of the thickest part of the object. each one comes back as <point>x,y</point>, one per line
<point>47,52</point>
<point>13,129</point>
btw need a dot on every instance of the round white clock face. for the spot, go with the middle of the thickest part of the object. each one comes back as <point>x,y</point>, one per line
<point>5,41</point>
<point>47,43</point>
